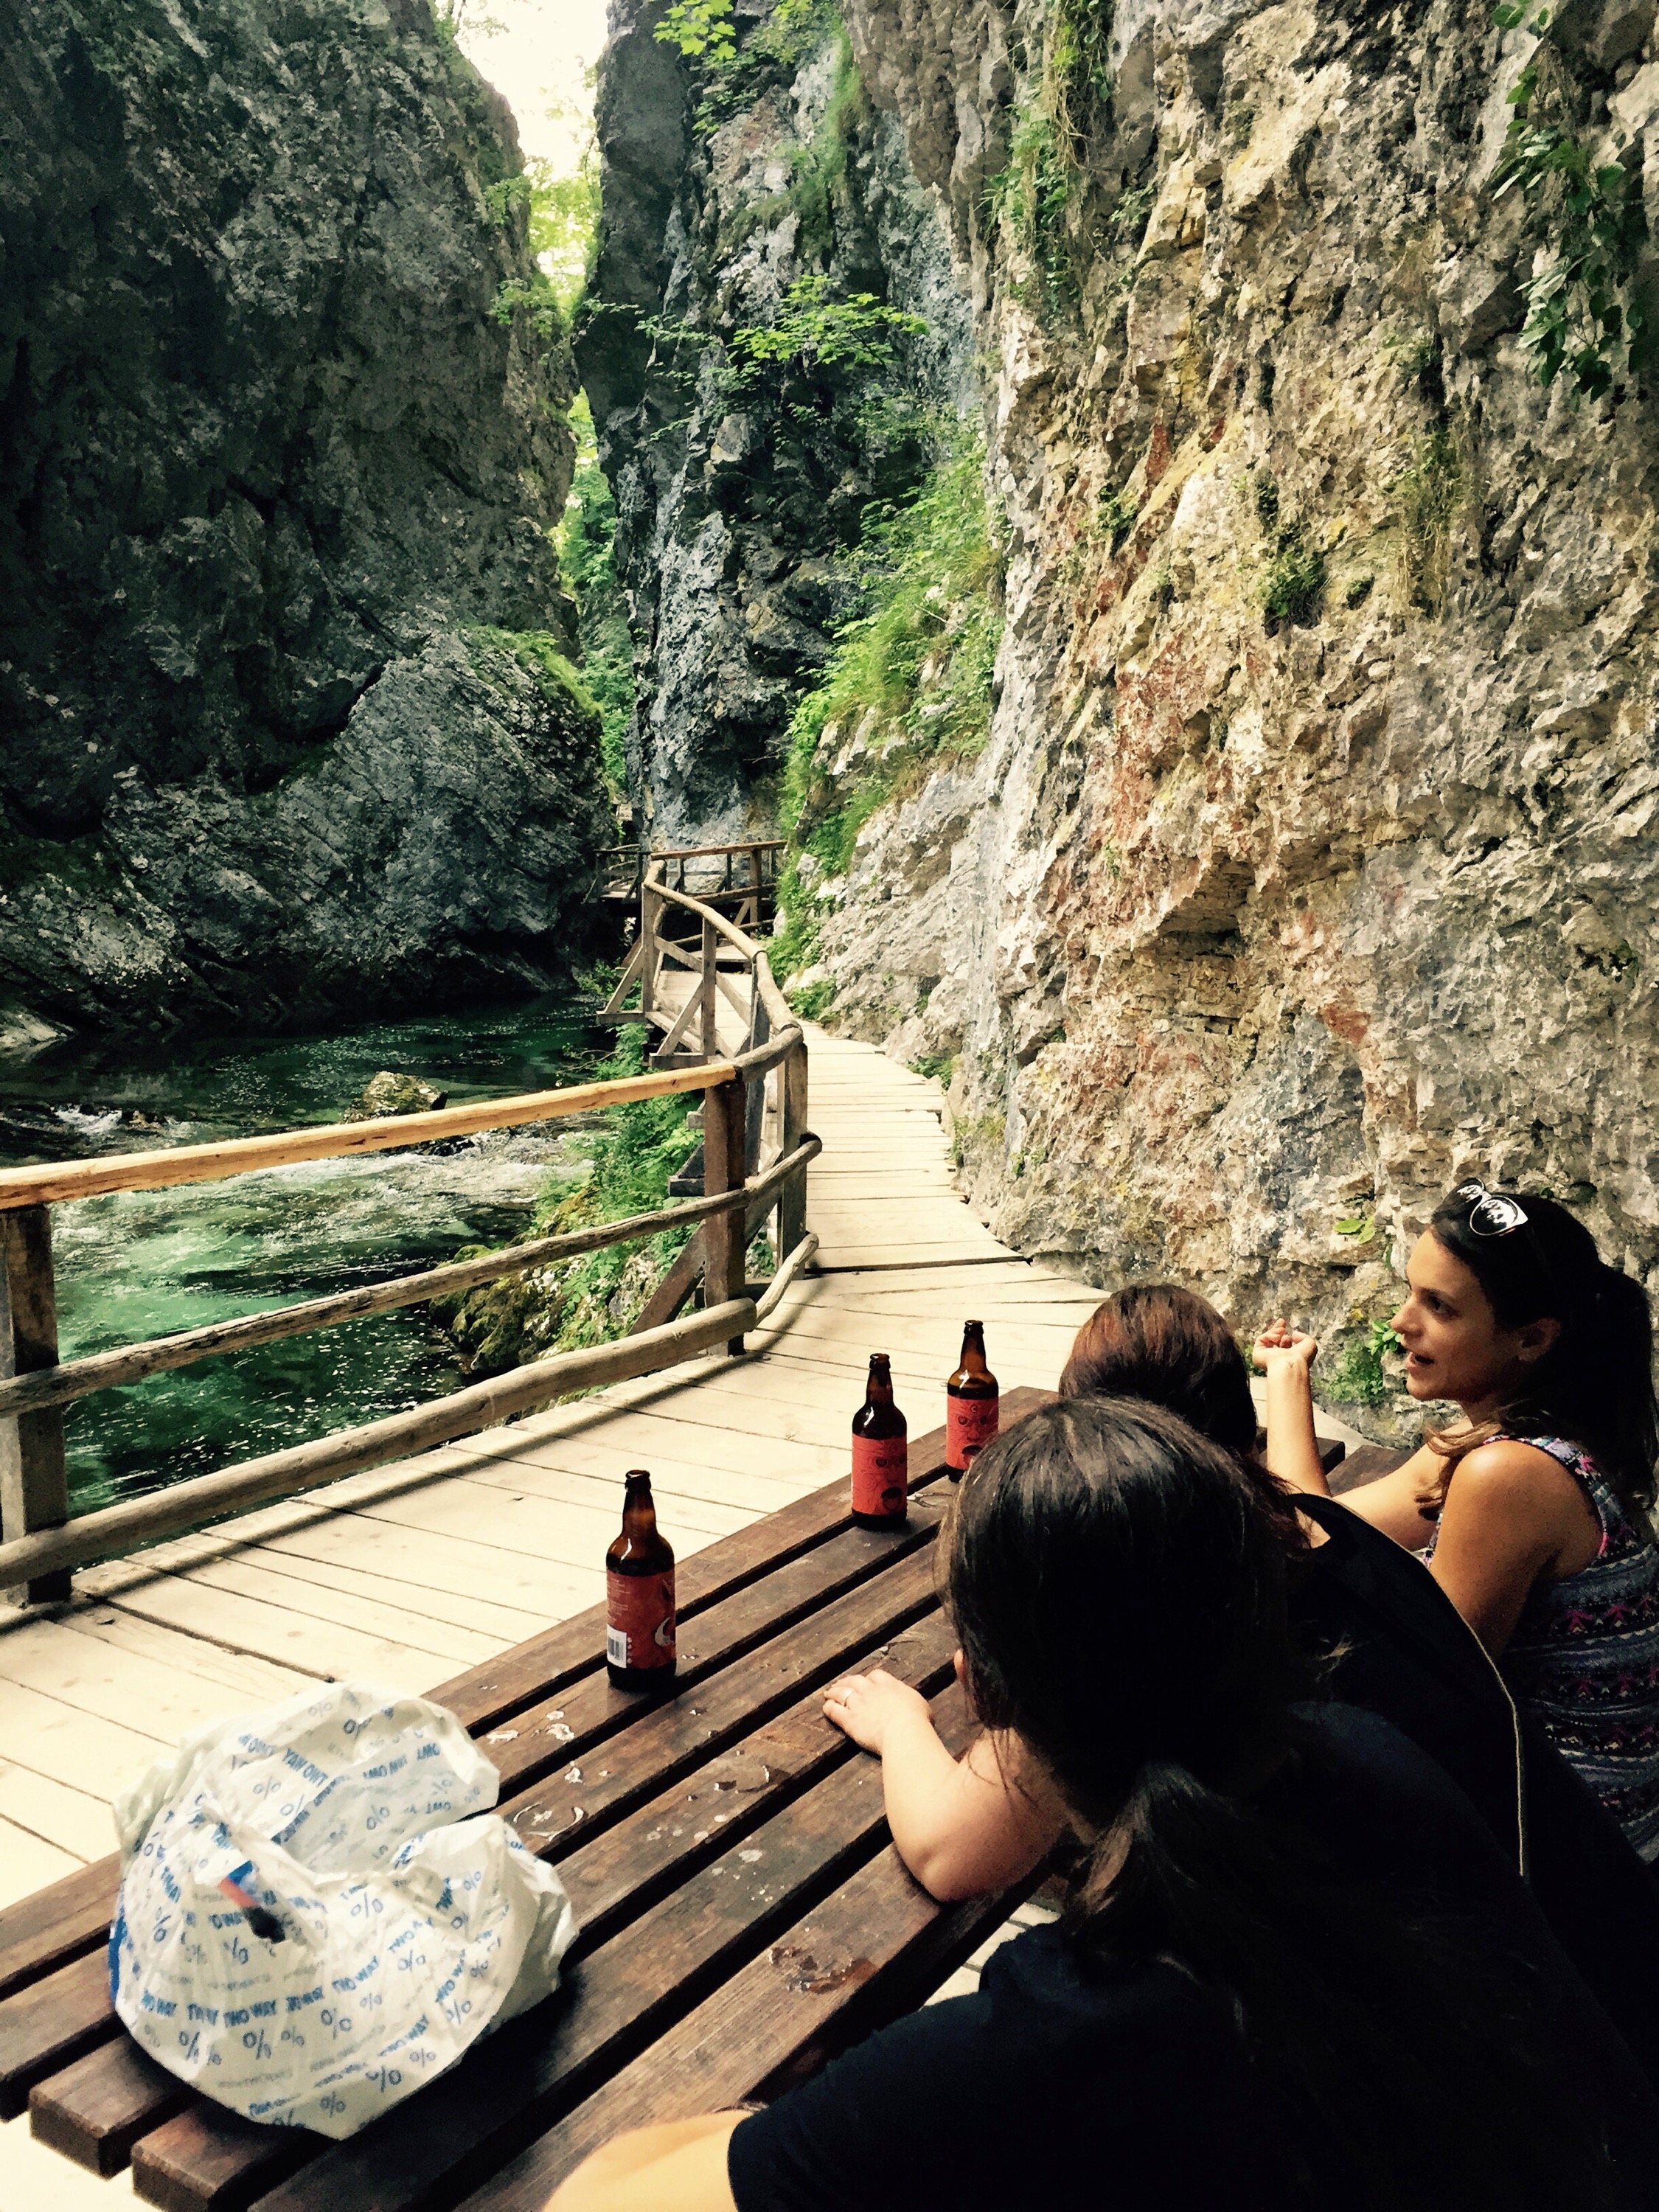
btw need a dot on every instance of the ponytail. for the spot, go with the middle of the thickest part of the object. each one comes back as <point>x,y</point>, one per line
<point>1316,1970</point>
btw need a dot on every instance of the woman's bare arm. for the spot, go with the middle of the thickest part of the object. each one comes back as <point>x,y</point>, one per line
<point>1286,1356</point>
<point>1512,1516</point>
<point>964,1827</point>
<point>680,2166</point>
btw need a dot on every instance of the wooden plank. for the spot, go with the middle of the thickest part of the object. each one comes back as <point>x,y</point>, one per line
<point>72,1819</point>
<point>184,1164</point>
<point>541,1666</point>
<point>103,1622</point>
<point>589,1712</point>
<point>96,2109</point>
<point>34,1474</point>
<point>28,1861</point>
<point>209,2159</point>
<point>55,1925</point>
<point>614,2003</point>
<point>49,2024</point>
<point>602,1781</point>
<point>301,1467</point>
<point>1367,1463</point>
<point>870,1952</point>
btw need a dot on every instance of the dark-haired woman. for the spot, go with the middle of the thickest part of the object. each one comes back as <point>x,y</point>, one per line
<point>1296,1972</point>
<point>1390,1641</point>
<point>1534,1510</point>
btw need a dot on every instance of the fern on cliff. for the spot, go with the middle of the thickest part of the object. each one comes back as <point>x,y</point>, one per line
<point>910,679</point>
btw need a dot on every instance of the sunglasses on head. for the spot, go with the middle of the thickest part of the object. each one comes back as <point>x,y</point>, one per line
<point>1491,1214</point>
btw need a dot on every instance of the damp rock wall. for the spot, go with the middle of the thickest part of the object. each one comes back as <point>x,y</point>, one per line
<point>285,731</point>
<point>1310,867</point>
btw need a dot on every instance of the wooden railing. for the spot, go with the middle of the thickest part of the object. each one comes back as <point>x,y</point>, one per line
<point>755,1154</point>
<point>740,879</point>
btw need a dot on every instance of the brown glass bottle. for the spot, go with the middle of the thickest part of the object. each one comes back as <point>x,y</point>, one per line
<point>972,1398</point>
<point>639,1595</point>
<point>881,1453</point>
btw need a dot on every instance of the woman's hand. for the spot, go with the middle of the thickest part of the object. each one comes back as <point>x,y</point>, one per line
<point>869,1707</point>
<point>1280,1346</point>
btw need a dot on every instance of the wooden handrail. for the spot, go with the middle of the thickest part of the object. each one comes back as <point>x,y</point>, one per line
<point>44,1542</point>
<point>333,1141</point>
<point>717,852</point>
<point>282,1474</point>
<point>132,1363</point>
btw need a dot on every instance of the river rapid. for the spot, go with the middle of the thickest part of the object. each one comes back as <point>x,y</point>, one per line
<point>139,1264</point>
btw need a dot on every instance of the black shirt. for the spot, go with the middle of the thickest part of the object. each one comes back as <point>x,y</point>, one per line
<point>1063,2082</point>
<point>1404,1651</point>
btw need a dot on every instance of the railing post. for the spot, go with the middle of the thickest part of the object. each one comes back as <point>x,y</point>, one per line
<point>722,1171</point>
<point>708,1009</point>
<point>34,1476</point>
<point>649,904</point>
<point>792,1201</point>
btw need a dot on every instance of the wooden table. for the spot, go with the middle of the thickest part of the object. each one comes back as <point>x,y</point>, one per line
<point>743,1914</point>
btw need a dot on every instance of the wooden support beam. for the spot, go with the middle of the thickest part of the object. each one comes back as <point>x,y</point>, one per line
<point>707,1010</point>
<point>791,1199</point>
<point>724,1112</point>
<point>34,1475</point>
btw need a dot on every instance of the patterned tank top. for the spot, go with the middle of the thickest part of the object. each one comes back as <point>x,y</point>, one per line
<point>1584,1657</point>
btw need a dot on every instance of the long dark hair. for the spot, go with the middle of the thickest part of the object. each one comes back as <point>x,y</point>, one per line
<point>1119,1593</point>
<point>1594,1385</point>
<point>1166,1343</point>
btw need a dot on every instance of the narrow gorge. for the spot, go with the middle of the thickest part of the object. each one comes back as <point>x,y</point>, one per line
<point>1245,803</point>
<point>289,729</point>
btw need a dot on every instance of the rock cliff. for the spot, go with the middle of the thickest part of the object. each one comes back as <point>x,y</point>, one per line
<point>287,731</point>
<point>1310,864</point>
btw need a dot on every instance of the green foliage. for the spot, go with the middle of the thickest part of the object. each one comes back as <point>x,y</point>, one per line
<point>820,165</point>
<point>930,579</point>
<point>534,298</point>
<point>815,331</point>
<point>1292,589</point>
<point>1358,1378</point>
<point>587,561</point>
<point>1078,68</point>
<point>567,1305</point>
<point>1358,591</point>
<point>1117,518</point>
<point>1031,195</point>
<point>564,213</point>
<point>701,29</point>
<point>1428,492</point>
<point>539,653</point>
<point>1295,578</point>
<point>938,1067</point>
<point>814,1002</point>
<point>503,199</point>
<point>1582,318</point>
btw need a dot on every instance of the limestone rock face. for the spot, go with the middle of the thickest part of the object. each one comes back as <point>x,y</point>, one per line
<point>1312,864</point>
<point>281,421</point>
<point>733,507</point>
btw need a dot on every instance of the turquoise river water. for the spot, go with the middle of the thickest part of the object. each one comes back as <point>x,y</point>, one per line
<point>141,1264</point>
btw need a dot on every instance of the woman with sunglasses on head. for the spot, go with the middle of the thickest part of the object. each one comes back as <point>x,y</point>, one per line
<point>1296,1971</point>
<point>1534,1510</point>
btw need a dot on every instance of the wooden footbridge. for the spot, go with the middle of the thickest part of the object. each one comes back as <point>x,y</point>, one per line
<point>415,1547</point>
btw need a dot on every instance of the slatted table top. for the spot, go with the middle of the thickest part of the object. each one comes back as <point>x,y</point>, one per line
<point>743,1915</point>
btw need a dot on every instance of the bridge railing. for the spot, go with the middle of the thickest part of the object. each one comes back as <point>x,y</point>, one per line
<point>740,879</point>
<point>756,1151</point>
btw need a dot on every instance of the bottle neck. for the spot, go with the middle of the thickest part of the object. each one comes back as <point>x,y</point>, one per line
<point>639,1508</point>
<point>973,1348</point>
<point>878,1390</point>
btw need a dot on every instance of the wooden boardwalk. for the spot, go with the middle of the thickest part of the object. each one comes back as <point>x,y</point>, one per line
<point>409,1573</point>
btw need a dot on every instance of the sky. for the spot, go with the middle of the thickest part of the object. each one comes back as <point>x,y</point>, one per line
<point>537,58</point>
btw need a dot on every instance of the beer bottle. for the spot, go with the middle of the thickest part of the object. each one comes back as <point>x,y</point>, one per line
<point>971,1399</point>
<point>639,1595</point>
<point>881,1453</point>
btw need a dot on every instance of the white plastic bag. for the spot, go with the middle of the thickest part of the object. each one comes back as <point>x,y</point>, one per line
<point>317,1912</point>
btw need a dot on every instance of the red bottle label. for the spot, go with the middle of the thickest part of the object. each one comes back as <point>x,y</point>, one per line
<point>970,1426</point>
<point>881,1470</point>
<point>639,1611</point>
